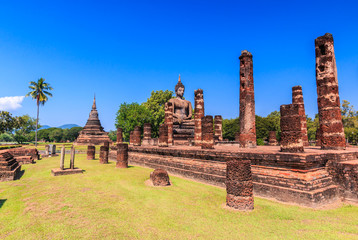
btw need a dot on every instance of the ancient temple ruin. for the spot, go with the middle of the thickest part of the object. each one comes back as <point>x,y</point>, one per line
<point>93,132</point>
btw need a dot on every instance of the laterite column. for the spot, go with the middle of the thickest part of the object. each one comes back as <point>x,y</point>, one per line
<point>136,136</point>
<point>122,155</point>
<point>247,136</point>
<point>218,125</point>
<point>91,152</point>
<point>207,137</point>
<point>297,98</point>
<point>239,186</point>
<point>291,134</point>
<point>103,154</point>
<point>199,112</point>
<point>119,135</point>
<point>169,122</point>
<point>163,135</point>
<point>329,111</point>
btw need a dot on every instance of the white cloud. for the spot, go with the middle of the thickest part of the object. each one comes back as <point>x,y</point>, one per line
<point>10,103</point>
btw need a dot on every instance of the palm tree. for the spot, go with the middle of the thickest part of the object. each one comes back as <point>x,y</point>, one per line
<point>39,91</point>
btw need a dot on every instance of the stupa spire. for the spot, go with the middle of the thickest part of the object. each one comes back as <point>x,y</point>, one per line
<point>94,103</point>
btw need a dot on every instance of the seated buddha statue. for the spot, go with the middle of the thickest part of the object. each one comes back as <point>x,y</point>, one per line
<point>182,109</point>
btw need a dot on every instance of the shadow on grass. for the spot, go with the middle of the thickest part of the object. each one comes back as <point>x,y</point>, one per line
<point>19,174</point>
<point>2,201</point>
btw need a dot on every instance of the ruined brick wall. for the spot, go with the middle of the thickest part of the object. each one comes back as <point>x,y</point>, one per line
<point>207,137</point>
<point>247,136</point>
<point>199,112</point>
<point>20,152</point>
<point>239,185</point>
<point>122,155</point>
<point>329,111</point>
<point>136,136</point>
<point>291,134</point>
<point>218,125</point>
<point>91,152</point>
<point>168,120</point>
<point>272,138</point>
<point>163,135</point>
<point>297,98</point>
<point>119,135</point>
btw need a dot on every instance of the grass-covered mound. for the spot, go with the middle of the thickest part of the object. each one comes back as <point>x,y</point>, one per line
<point>109,203</point>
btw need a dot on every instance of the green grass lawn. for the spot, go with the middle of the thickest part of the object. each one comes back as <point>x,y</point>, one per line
<point>109,203</point>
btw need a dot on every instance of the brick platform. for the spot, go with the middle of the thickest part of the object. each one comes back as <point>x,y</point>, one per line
<point>24,155</point>
<point>9,167</point>
<point>299,178</point>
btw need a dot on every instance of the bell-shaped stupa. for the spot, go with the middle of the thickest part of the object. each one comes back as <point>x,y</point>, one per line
<point>93,132</point>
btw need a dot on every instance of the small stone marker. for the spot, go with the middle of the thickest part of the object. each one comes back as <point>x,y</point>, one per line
<point>53,150</point>
<point>66,171</point>
<point>160,177</point>
<point>47,150</point>
<point>122,155</point>
<point>62,163</point>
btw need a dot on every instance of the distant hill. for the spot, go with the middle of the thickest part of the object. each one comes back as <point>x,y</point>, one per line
<point>63,126</point>
<point>68,126</point>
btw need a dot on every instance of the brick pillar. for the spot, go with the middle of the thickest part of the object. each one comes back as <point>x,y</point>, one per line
<point>272,138</point>
<point>62,163</point>
<point>169,121</point>
<point>131,137</point>
<point>239,186</point>
<point>329,111</point>
<point>163,135</point>
<point>103,153</point>
<point>136,136</point>
<point>218,124</point>
<point>291,134</point>
<point>147,131</point>
<point>119,135</point>
<point>247,136</point>
<point>199,112</point>
<point>297,98</point>
<point>72,159</point>
<point>122,155</point>
<point>207,136</point>
<point>91,152</point>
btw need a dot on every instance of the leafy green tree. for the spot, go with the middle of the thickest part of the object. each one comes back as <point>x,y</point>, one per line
<point>40,91</point>
<point>349,115</point>
<point>24,126</point>
<point>56,135</point>
<point>112,135</point>
<point>7,122</point>
<point>72,133</point>
<point>230,128</point>
<point>155,104</point>
<point>131,115</point>
<point>6,137</point>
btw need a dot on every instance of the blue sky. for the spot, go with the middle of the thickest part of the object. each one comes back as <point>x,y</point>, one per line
<point>121,51</point>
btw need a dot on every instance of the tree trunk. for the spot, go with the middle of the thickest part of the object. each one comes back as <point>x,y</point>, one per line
<point>37,122</point>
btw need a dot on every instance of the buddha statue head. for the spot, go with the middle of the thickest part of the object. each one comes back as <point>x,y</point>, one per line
<point>179,89</point>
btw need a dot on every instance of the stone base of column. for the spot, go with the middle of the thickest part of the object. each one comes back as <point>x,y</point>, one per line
<point>240,203</point>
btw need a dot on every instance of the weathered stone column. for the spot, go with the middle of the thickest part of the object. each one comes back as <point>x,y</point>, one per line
<point>297,98</point>
<point>272,138</point>
<point>207,136</point>
<point>91,152</point>
<point>47,150</point>
<point>122,155</point>
<point>72,159</point>
<point>53,150</point>
<point>199,112</point>
<point>169,121</point>
<point>218,124</point>
<point>330,119</point>
<point>247,136</point>
<point>291,134</point>
<point>131,137</point>
<point>119,135</point>
<point>239,186</point>
<point>163,135</point>
<point>62,163</point>
<point>136,136</point>
<point>147,134</point>
<point>103,153</point>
